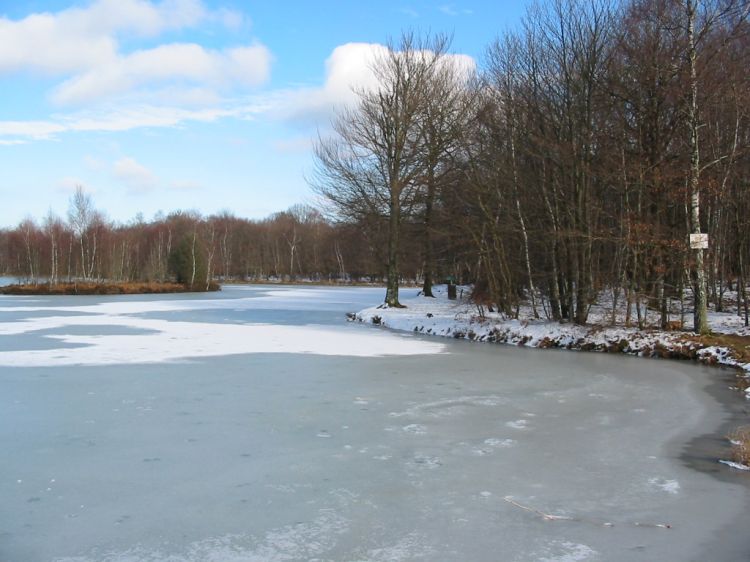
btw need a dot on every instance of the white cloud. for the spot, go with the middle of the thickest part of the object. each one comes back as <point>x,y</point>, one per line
<point>451,10</point>
<point>139,17</point>
<point>140,179</point>
<point>40,43</point>
<point>30,129</point>
<point>135,175</point>
<point>347,69</point>
<point>114,119</point>
<point>82,45</point>
<point>231,19</point>
<point>83,38</point>
<point>181,62</point>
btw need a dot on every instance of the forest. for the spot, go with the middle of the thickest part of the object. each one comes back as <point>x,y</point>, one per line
<point>295,244</point>
<point>580,156</point>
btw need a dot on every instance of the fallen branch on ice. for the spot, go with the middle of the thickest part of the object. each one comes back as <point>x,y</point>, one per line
<point>550,517</point>
<point>546,516</point>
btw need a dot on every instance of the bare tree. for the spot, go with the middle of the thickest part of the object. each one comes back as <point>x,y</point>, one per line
<point>82,218</point>
<point>53,227</point>
<point>371,165</point>
<point>441,128</point>
<point>503,70</point>
<point>28,230</point>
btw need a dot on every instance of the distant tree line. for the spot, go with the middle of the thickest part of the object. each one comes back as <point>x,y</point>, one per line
<point>579,158</point>
<point>297,244</point>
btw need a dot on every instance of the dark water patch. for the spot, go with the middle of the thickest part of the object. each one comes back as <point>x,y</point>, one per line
<point>33,342</point>
<point>704,451</point>
<point>103,329</point>
<point>21,315</point>
<point>278,317</point>
<point>42,340</point>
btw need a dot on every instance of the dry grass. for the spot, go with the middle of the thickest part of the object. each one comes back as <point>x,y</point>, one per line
<point>739,345</point>
<point>87,288</point>
<point>740,439</point>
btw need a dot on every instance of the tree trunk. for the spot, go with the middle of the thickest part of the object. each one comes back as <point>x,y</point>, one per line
<point>428,242</point>
<point>394,226</point>
<point>700,318</point>
<point>192,257</point>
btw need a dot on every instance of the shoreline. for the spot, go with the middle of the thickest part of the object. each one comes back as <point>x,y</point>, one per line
<point>460,320</point>
<point>100,288</point>
<point>700,452</point>
<point>702,447</point>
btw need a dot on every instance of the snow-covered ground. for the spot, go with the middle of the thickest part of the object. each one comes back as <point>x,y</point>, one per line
<point>462,319</point>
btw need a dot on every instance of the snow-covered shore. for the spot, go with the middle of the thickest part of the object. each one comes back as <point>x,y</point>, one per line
<point>461,319</point>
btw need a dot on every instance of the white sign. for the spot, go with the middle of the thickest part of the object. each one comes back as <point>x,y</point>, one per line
<point>699,241</point>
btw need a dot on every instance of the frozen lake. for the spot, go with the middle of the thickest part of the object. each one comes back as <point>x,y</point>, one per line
<point>257,425</point>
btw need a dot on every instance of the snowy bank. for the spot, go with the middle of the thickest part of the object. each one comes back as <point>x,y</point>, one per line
<point>462,320</point>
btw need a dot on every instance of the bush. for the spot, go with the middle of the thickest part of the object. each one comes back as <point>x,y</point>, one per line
<point>181,262</point>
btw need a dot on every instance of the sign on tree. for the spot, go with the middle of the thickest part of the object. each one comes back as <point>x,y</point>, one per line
<point>699,241</point>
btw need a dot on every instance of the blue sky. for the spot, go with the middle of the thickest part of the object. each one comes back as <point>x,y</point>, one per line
<point>188,104</point>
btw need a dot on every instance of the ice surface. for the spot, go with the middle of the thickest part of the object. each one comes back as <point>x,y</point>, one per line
<point>159,340</point>
<point>237,456</point>
<point>669,486</point>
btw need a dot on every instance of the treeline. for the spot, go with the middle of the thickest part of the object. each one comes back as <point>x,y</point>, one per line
<point>297,244</point>
<point>579,158</point>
